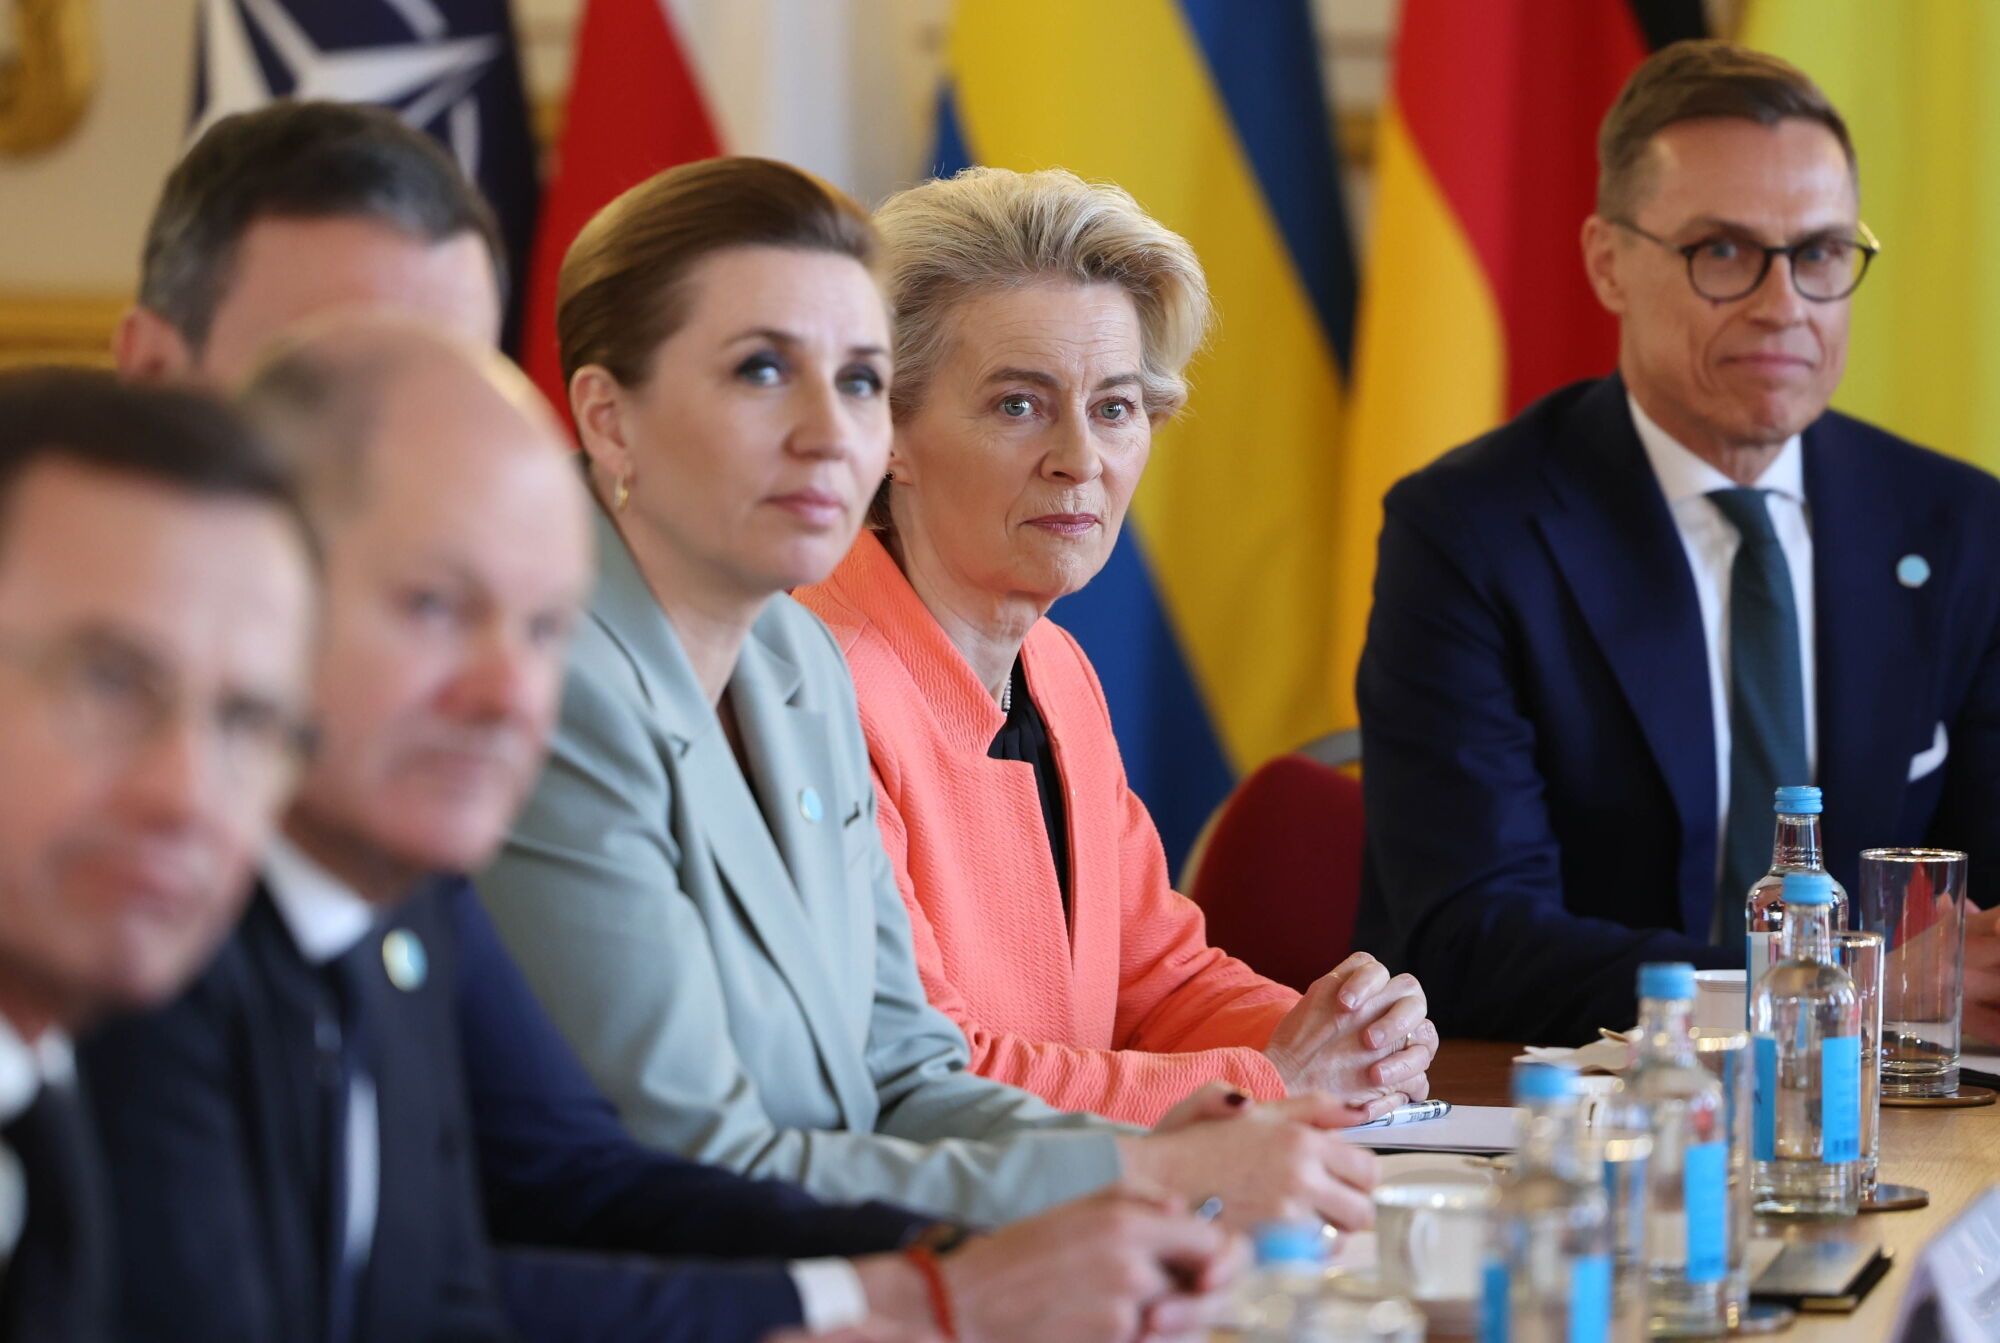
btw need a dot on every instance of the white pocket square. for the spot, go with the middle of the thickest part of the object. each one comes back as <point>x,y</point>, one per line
<point>1926,761</point>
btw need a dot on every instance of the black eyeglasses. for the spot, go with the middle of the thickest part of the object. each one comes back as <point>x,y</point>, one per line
<point>1725,268</point>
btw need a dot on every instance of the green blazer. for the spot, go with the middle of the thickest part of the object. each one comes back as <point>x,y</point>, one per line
<point>730,956</point>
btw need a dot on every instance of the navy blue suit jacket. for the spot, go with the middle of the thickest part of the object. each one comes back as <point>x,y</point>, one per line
<point>1539,747</point>
<point>213,1117</point>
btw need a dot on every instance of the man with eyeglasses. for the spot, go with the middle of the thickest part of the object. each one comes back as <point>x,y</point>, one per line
<point>1605,633</point>
<point>156,607</point>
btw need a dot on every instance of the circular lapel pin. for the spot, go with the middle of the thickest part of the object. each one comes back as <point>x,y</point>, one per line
<point>809,805</point>
<point>1913,571</point>
<point>403,957</point>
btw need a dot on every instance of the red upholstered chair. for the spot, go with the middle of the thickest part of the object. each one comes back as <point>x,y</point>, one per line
<point>1277,872</point>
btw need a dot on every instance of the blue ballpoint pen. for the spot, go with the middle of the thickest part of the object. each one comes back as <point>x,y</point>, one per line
<point>1414,1113</point>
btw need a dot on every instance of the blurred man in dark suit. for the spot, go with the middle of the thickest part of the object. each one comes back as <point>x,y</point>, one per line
<point>156,602</point>
<point>298,1142</point>
<point>1605,633</point>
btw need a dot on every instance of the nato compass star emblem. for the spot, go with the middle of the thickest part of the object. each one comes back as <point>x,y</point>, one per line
<point>254,51</point>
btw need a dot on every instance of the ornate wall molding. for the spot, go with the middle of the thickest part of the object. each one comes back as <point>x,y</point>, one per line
<point>72,329</point>
<point>48,71</point>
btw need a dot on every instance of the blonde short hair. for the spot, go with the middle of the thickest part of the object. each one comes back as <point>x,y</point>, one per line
<point>992,228</point>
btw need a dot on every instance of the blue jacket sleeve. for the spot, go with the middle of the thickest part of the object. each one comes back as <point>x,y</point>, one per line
<point>561,1298</point>
<point>559,1170</point>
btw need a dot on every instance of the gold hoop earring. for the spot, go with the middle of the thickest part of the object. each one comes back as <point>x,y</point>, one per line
<point>621,494</point>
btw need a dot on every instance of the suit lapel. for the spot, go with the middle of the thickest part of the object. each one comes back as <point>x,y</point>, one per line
<point>757,846</point>
<point>777,841</point>
<point>1614,541</point>
<point>1874,641</point>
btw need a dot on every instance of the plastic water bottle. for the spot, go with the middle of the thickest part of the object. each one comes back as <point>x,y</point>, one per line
<point>1805,1034</point>
<point>1795,847</point>
<point>1276,1304</point>
<point>1687,1203</point>
<point>1289,1299</point>
<point>1547,1275</point>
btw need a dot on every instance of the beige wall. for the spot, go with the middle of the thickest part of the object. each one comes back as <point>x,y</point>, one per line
<point>71,218</point>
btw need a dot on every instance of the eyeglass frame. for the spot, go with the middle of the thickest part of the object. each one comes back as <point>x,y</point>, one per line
<point>42,661</point>
<point>1868,244</point>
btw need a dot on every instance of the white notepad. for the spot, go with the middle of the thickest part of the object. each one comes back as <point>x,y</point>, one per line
<point>1468,1128</point>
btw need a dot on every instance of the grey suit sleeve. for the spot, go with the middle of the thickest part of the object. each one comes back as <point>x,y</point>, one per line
<point>587,896</point>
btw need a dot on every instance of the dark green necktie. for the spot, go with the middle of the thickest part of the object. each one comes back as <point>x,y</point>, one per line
<point>1767,716</point>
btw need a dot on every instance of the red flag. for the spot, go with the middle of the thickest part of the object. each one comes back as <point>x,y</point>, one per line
<point>634,109</point>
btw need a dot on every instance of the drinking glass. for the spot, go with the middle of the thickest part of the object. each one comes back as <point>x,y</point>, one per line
<point>1915,898</point>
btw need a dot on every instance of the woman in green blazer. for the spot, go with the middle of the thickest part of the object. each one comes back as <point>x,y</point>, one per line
<point>698,889</point>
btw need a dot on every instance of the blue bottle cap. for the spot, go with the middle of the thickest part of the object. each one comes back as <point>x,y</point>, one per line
<point>1287,1243</point>
<point>1808,888</point>
<point>1673,980</point>
<point>1799,801</point>
<point>1543,1082</point>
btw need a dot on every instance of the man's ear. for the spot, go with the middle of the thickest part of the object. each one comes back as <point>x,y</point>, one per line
<point>1602,248</point>
<point>148,348</point>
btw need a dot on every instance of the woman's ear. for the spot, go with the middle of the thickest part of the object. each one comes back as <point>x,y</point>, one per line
<point>899,469</point>
<point>599,405</point>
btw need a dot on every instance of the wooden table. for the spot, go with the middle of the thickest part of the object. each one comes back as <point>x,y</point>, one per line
<point>1955,1154</point>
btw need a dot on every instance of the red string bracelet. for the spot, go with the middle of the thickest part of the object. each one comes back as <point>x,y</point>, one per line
<point>925,1260</point>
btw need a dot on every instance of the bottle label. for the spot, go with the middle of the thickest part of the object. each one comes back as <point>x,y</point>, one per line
<point>1764,1115</point>
<point>1493,1303</point>
<point>1590,1298</point>
<point>1705,1190</point>
<point>1840,1099</point>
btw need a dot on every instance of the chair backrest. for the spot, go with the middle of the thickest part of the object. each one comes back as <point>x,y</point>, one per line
<point>1278,875</point>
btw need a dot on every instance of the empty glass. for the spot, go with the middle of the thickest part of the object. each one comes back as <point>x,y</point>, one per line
<point>1915,898</point>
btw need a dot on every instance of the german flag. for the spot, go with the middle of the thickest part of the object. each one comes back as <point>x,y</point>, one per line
<point>1474,300</point>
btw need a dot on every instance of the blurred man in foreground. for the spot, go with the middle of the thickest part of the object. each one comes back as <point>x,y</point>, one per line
<point>156,606</point>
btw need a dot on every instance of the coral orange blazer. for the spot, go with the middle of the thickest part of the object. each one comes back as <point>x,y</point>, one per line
<point>1124,1008</point>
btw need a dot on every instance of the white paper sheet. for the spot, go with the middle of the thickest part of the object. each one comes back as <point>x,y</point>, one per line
<point>1468,1128</point>
<point>1980,1061</point>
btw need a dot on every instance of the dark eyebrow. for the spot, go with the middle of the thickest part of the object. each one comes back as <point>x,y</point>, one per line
<point>786,338</point>
<point>1716,224</point>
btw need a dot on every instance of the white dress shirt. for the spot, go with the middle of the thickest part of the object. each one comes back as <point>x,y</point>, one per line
<point>24,1070</point>
<point>1711,541</point>
<point>327,919</point>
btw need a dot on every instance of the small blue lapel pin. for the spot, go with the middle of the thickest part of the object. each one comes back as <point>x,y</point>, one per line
<point>404,958</point>
<point>1913,571</point>
<point>809,804</point>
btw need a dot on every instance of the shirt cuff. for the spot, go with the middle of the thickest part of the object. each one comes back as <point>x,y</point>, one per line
<point>830,1293</point>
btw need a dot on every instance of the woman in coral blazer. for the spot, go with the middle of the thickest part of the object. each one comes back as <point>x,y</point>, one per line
<point>1042,326</point>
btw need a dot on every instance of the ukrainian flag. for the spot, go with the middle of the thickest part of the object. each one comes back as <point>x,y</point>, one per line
<point>1211,624</point>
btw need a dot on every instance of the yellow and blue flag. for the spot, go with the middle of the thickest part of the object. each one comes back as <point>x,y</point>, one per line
<point>1211,624</point>
<point>1915,83</point>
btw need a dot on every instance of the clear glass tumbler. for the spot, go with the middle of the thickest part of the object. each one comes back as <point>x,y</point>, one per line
<point>1915,898</point>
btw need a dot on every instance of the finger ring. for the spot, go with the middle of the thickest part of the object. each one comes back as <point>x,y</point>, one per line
<point>1407,1039</point>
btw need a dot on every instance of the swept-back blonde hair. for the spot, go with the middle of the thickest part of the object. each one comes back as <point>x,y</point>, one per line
<point>992,228</point>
